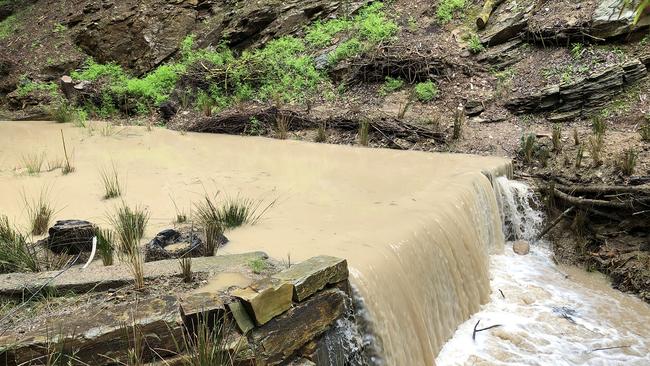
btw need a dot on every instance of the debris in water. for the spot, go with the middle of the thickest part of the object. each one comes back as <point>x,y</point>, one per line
<point>482,329</point>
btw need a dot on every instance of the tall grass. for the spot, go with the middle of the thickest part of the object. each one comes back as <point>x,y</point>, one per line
<point>557,138</point>
<point>111,183</point>
<point>213,232</point>
<point>185,264</point>
<point>528,146</point>
<point>210,345</point>
<point>579,155</point>
<point>598,125</point>
<point>238,211</point>
<point>644,131</point>
<point>16,254</point>
<point>33,163</point>
<point>282,122</point>
<point>67,168</point>
<point>626,163</point>
<point>105,245</point>
<point>596,146</point>
<point>129,225</point>
<point>39,212</point>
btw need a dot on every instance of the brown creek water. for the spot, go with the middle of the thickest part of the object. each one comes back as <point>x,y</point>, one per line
<point>417,228</point>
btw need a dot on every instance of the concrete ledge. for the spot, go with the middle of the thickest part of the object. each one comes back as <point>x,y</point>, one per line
<point>77,280</point>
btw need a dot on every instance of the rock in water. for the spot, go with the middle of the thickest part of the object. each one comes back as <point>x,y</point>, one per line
<point>71,236</point>
<point>521,247</point>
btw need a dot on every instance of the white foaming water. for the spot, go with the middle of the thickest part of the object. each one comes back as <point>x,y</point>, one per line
<point>515,200</point>
<point>548,315</point>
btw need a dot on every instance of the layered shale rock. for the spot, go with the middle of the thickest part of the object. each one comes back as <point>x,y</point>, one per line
<point>568,100</point>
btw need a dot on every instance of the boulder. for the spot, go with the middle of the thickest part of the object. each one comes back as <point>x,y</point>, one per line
<point>243,321</point>
<point>265,299</point>
<point>282,336</point>
<point>507,21</point>
<point>313,275</point>
<point>521,247</point>
<point>172,243</point>
<point>614,18</point>
<point>71,236</point>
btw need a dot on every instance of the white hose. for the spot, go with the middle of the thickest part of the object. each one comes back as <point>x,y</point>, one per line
<point>92,253</point>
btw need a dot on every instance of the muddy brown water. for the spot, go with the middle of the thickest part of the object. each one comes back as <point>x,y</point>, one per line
<point>417,228</point>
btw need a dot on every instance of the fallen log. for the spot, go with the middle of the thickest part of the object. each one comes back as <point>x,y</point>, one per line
<point>603,189</point>
<point>238,121</point>
<point>590,203</point>
<point>484,15</point>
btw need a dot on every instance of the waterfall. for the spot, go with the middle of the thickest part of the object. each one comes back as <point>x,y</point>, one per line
<point>516,201</point>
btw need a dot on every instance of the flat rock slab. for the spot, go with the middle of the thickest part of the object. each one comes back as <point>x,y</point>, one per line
<point>101,336</point>
<point>265,299</point>
<point>313,275</point>
<point>77,280</point>
<point>71,236</point>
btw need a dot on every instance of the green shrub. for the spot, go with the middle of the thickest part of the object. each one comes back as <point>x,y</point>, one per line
<point>321,34</point>
<point>156,86</point>
<point>447,9</point>
<point>345,50</point>
<point>391,85</point>
<point>94,71</point>
<point>426,91</point>
<point>474,44</point>
<point>373,24</point>
<point>27,87</point>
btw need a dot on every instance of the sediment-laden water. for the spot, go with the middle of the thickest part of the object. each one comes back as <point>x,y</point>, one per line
<point>417,228</point>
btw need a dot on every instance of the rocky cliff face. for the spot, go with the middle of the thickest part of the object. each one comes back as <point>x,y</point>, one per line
<point>57,36</point>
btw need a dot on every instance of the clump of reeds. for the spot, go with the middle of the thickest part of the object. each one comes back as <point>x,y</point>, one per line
<point>528,146</point>
<point>557,138</point>
<point>363,135</point>
<point>105,245</point>
<point>185,264</point>
<point>111,183</point>
<point>209,345</point>
<point>321,133</point>
<point>238,211</point>
<point>579,155</point>
<point>181,217</point>
<point>596,146</point>
<point>213,233</point>
<point>282,124</point>
<point>16,254</point>
<point>33,163</point>
<point>598,125</point>
<point>129,225</point>
<point>626,163</point>
<point>39,212</point>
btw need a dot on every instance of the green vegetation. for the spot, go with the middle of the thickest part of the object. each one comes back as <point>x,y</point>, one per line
<point>105,245</point>
<point>426,91</point>
<point>644,130</point>
<point>27,87</point>
<point>8,26</point>
<point>579,155</point>
<point>321,133</point>
<point>391,85</point>
<point>448,8</point>
<point>598,125</point>
<point>474,44</point>
<point>211,346</point>
<point>33,163</point>
<point>257,265</point>
<point>185,264</point>
<point>596,147</point>
<point>282,124</point>
<point>345,50</point>
<point>129,225</point>
<point>626,163</point>
<point>111,183</point>
<point>321,34</point>
<point>39,212</point>
<point>373,24</point>
<point>577,50</point>
<point>16,255</point>
<point>64,112</point>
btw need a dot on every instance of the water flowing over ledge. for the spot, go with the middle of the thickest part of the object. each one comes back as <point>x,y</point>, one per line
<point>415,227</point>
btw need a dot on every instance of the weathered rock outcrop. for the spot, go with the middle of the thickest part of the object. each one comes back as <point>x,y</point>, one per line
<point>71,236</point>
<point>140,35</point>
<point>570,99</point>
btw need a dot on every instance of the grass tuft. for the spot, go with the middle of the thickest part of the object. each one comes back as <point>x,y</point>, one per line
<point>257,265</point>
<point>426,91</point>
<point>557,138</point>
<point>644,131</point>
<point>40,213</point>
<point>598,125</point>
<point>626,163</point>
<point>16,255</point>
<point>474,44</point>
<point>448,8</point>
<point>33,163</point>
<point>282,124</point>
<point>210,344</point>
<point>579,155</point>
<point>321,132</point>
<point>528,147</point>
<point>596,146</point>
<point>130,224</point>
<point>105,245</point>
<point>111,183</point>
<point>185,264</point>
